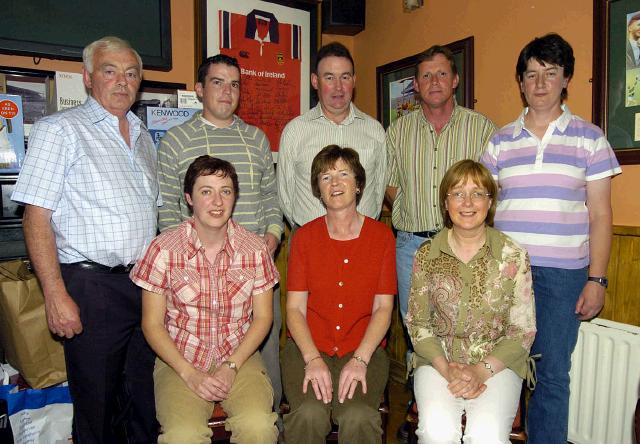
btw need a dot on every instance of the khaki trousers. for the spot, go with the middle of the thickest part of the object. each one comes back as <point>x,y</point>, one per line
<point>309,420</point>
<point>183,415</point>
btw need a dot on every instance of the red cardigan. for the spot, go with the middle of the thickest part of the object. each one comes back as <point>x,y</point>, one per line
<point>342,278</point>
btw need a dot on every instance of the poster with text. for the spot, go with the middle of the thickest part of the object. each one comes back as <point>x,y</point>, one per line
<point>271,44</point>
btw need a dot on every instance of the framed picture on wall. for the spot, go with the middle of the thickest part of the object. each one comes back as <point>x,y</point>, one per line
<point>616,75</point>
<point>273,42</point>
<point>394,82</point>
<point>34,87</point>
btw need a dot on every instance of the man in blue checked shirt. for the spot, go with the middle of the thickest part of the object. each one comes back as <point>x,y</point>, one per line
<point>89,183</point>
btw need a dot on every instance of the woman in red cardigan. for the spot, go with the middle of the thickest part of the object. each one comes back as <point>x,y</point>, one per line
<point>340,286</point>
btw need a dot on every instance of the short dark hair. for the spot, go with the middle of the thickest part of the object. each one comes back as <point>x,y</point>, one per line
<point>430,53</point>
<point>203,69</point>
<point>327,158</point>
<point>207,166</point>
<point>550,48</point>
<point>461,171</point>
<point>333,49</point>
<point>634,18</point>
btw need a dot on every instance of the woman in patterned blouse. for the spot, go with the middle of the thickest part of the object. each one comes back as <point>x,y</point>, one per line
<point>471,316</point>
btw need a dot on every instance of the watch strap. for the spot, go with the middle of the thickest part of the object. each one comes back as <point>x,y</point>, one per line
<point>602,280</point>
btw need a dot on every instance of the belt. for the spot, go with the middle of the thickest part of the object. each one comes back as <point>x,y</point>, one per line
<point>99,268</point>
<point>430,233</point>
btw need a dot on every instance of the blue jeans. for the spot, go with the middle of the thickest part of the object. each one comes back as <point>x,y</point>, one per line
<point>406,246</point>
<point>556,292</point>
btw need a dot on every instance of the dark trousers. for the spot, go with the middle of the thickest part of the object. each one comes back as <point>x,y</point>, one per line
<point>109,364</point>
<point>358,419</point>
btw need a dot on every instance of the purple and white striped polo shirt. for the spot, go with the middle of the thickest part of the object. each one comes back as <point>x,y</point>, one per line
<point>542,201</point>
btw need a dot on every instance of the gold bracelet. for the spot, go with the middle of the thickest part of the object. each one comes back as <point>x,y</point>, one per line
<point>359,359</point>
<point>306,364</point>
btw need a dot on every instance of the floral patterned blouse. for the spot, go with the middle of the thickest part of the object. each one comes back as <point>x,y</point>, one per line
<point>466,312</point>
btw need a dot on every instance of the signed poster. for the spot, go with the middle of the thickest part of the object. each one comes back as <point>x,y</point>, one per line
<point>271,43</point>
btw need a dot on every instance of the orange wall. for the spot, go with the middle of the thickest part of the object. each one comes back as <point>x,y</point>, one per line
<point>500,28</point>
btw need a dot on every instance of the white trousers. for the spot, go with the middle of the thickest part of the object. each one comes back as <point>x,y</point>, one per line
<point>489,416</point>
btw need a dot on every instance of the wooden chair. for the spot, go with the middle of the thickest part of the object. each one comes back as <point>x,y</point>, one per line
<point>220,435</point>
<point>216,423</point>
<point>518,433</point>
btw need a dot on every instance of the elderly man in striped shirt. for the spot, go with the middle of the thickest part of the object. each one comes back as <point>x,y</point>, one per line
<point>335,120</point>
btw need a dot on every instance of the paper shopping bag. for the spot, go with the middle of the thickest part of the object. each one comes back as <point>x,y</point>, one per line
<point>24,334</point>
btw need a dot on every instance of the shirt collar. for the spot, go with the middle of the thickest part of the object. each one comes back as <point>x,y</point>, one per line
<point>455,115</point>
<point>194,244</point>
<point>354,113</point>
<point>97,113</point>
<point>206,122</point>
<point>561,123</point>
<point>440,244</point>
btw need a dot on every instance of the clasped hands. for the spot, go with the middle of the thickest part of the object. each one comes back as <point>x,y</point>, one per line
<point>466,381</point>
<point>211,387</point>
<point>318,376</point>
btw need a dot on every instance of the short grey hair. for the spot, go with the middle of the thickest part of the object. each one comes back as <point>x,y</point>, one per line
<point>108,43</point>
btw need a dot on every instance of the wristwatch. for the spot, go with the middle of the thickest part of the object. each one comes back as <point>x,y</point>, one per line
<point>488,367</point>
<point>602,280</point>
<point>232,365</point>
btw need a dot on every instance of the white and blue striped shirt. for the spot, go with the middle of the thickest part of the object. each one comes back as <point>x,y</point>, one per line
<point>103,194</point>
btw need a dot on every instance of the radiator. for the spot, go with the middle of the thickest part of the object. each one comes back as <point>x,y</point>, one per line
<point>605,383</point>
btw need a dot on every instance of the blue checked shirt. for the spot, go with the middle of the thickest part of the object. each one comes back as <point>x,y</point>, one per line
<point>103,194</point>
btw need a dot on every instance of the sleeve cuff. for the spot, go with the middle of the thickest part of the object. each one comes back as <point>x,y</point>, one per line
<point>276,230</point>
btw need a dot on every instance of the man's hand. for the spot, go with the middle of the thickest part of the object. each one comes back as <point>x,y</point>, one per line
<point>591,301</point>
<point>352,373</point>
<point>317,374</point>
<point>272,242</point>
<point>63,315</point>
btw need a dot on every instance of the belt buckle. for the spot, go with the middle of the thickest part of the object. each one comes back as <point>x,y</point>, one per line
<point>121,269</point>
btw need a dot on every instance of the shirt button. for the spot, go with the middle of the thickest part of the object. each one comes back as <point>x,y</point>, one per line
<point>335,349</point>
<point>337,327</point>
<point>339,305</point>
<point>341,284</point>
<point>346,261</point>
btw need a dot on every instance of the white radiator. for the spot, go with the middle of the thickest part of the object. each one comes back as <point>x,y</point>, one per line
<point>605,383</point>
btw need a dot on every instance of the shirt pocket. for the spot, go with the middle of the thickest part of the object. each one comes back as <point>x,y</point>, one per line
<point>240,283</point>
<point>185,285</point>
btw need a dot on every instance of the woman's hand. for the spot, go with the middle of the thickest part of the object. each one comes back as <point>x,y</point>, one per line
<point>353,372</point>
<point>317,373</point>
<point>204,385</point>
<point>466,381</point>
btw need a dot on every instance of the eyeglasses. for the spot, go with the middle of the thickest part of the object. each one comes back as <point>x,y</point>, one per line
<point>476,196</point>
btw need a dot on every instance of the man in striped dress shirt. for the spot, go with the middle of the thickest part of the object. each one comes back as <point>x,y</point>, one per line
<point>421,147</point>
<point>218,132</point>
<point>335,120</point>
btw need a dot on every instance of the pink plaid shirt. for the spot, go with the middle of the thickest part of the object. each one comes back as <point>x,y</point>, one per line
<point>209,305</point>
